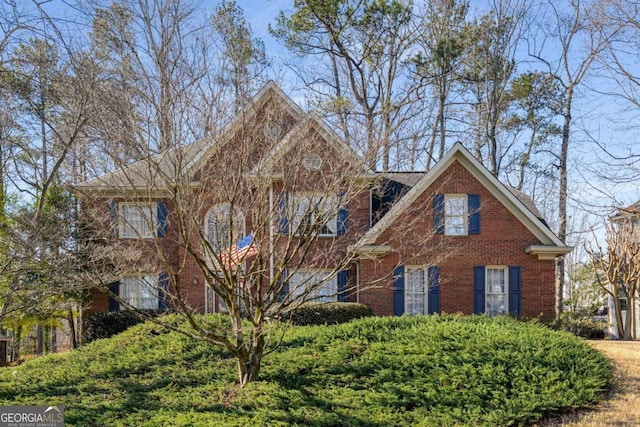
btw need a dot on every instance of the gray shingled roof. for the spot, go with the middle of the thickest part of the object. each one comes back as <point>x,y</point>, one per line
<point>155,172</point>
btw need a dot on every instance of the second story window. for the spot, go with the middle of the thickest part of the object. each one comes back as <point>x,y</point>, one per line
<point>314,214</point>
<point>455,214</point>
<point>138,220</point>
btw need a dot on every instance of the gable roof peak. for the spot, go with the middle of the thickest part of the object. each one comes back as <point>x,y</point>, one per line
<point>460,153</point>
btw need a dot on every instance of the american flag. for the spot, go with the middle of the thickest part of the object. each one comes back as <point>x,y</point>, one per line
<point>239,252</point>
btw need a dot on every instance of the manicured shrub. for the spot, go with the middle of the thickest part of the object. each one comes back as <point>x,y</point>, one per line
<point>106,325</point>
<point>332,313</point>
<point>579,324</point>
<point>402,371</point>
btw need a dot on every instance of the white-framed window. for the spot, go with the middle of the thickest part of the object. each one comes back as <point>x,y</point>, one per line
<point>456,214</point>
<point>139,292</point>
<point>497,290</point>
<point>221,226</point>
<point>317,284</point>
<point>138,220</point>
<point>314,213</point>
<point>416,286</point>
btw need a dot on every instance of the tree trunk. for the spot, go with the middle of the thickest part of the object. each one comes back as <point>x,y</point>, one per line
<point>562,199</point>
<point>39,340</point>
<point>72,329</point>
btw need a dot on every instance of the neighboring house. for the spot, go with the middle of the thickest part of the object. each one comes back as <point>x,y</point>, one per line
<point>632,215</point>
<point>453,239</point>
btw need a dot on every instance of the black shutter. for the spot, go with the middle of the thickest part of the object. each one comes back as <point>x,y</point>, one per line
<point>398,291</point>
<point>162,219</point>
<point>514,291</point>
<point>434,290</point>
<point>343,217</point>
<point>438,213</point>
<point>342,286</point>
<point>114,288</point>
<point>285,286</point>
<point>479,289</point>
<point>473,204</point>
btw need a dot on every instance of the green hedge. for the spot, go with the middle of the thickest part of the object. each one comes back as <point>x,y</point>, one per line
<point>378,371</point>
<point>580,325</point>
<point>106,325</point>
<point>331,313</point>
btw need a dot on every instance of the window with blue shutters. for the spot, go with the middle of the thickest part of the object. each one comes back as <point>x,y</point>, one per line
<point>421,290</point>
<point>456,214</point>
<point>497,290</point>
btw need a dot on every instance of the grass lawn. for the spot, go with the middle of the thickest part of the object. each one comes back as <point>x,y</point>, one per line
<point>431,371</point>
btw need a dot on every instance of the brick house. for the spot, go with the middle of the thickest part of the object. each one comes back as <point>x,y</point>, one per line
<point>453,239</point>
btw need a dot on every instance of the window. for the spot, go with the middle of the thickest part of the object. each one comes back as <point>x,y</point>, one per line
<point>416,287</point>
<point>221,227</point>
<point>455,215</point>
<point>319,286</point>
<point>314,214</point>
<point>497,290</point>
<point>140,292</point>
<point>138,220</point>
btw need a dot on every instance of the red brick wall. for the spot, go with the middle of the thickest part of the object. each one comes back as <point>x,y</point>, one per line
<point>502,241</point>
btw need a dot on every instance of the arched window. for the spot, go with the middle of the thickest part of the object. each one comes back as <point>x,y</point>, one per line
<point>222,225</point>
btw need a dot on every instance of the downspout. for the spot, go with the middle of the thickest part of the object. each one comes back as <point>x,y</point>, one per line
<point>358,281</point>
<point>271,232</point>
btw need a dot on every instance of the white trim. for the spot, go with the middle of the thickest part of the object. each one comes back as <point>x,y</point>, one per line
<point>498,190</point>
<point>548,252</point>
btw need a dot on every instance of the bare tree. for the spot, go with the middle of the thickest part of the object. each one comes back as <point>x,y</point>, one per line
<point>617,267</point>
<point>580,40</point>
<point>489,67</point>
<point>368,85</point>
<point>442,38</point>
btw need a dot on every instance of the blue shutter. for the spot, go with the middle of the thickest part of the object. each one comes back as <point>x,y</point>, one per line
<point>434,290</point>
<point>162,219</point>
<point>473,203</point>
<point>163,284</point>
<point>285,287</point>
<point>398,291</point>
<point>283,201</point>
<point>343,217</point>
<point>478,289</point>
<point>438,213</point>
<point>514,291</point>
<point>342,286</point>
<point>114,288</point>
